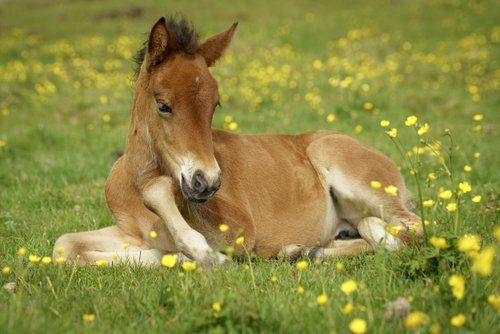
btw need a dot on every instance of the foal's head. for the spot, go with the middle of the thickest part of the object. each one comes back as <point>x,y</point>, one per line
<point>181,96</point>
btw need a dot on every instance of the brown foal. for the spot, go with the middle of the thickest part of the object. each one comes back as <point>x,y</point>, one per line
<point>284,194</point>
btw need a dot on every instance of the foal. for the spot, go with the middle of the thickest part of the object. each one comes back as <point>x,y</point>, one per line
<point>180,180</point>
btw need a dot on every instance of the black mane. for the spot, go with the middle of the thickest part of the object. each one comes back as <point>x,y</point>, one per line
<point>184,35</point>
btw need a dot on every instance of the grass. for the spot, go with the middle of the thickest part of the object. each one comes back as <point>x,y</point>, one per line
<point>65,100</point>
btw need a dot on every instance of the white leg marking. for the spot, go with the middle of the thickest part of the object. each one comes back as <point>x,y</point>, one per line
<point>372,229</point>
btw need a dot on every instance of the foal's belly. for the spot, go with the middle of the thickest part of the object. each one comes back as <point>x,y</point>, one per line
<point>286,197</point>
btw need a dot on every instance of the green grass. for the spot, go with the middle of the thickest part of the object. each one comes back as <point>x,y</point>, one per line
<point>282,75</point>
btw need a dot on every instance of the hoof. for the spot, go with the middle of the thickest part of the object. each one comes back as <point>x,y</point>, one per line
<point>373,231</point>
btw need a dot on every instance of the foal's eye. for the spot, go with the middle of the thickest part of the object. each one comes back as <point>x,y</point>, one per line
<point>163,108</point>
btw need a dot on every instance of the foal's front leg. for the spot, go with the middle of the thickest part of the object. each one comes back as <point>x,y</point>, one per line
<point>158,195</point>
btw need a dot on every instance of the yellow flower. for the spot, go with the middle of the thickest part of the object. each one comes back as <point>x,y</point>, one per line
<point>21,251</point>
<point>357,326</point>
<point>46,260</point>
<point>391,190</point>
<point>223,228</point>
<point>60,260</point>
<point>464,187</point>
<point>393,230</point>
<point>432,176</point>
<point>446,194</point>
<point>358,129</point>
<point>3,143</point>
<point>125,245</point>
<point>476,199</point>
<point>439,242</point>
<point>428,203</point>
<point>375,184</point>
<point>467,168</point>
<point>494,301</point>
<point>101,263</point>
<point>188,266</point>
<point>477,154</point>
<point>317,64</point>
<point>301,265</point>
<point>321,299</point>
<point>496,232</point>
<point>384,123</point>
<point>435,328</point>
<point>89,318</point>
<point>339,266</point>
<point>483,261</point>
<point>240,240</point>
<point>229,250</point>
<point>457,284</point>
<point>169,260</point>
<point>153,234</point>
<point>416,319</point>
<point>60,250</point>
<point>423,129</point>
<point>6,270</point>
<point>300,289</point>
<point>216,306</point>
<point>393,133</point>
<point>451,207</point>
<point>368,106</point>
<point>34,259</point>
<point>348,287</point>
<point>348,308</point>
<point>233,126</point>
<point>469,243</point>
<point>330,118</point>
<point>458,320</point>
<point>106,118</point>
<point>274,278</point>
<point>478,117</point>
<point>411,120</point>
<point>103,99</point>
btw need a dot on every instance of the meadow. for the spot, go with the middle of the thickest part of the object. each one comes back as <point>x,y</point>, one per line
<point>418,80</point>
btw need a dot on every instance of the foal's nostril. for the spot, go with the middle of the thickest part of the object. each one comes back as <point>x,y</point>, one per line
<point>200,183</point>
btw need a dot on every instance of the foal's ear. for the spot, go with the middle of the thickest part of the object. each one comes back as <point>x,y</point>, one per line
<point>213,48</point>
<point>158,42</point>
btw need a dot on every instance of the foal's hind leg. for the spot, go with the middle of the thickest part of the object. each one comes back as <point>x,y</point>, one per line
<point>348,167</point>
